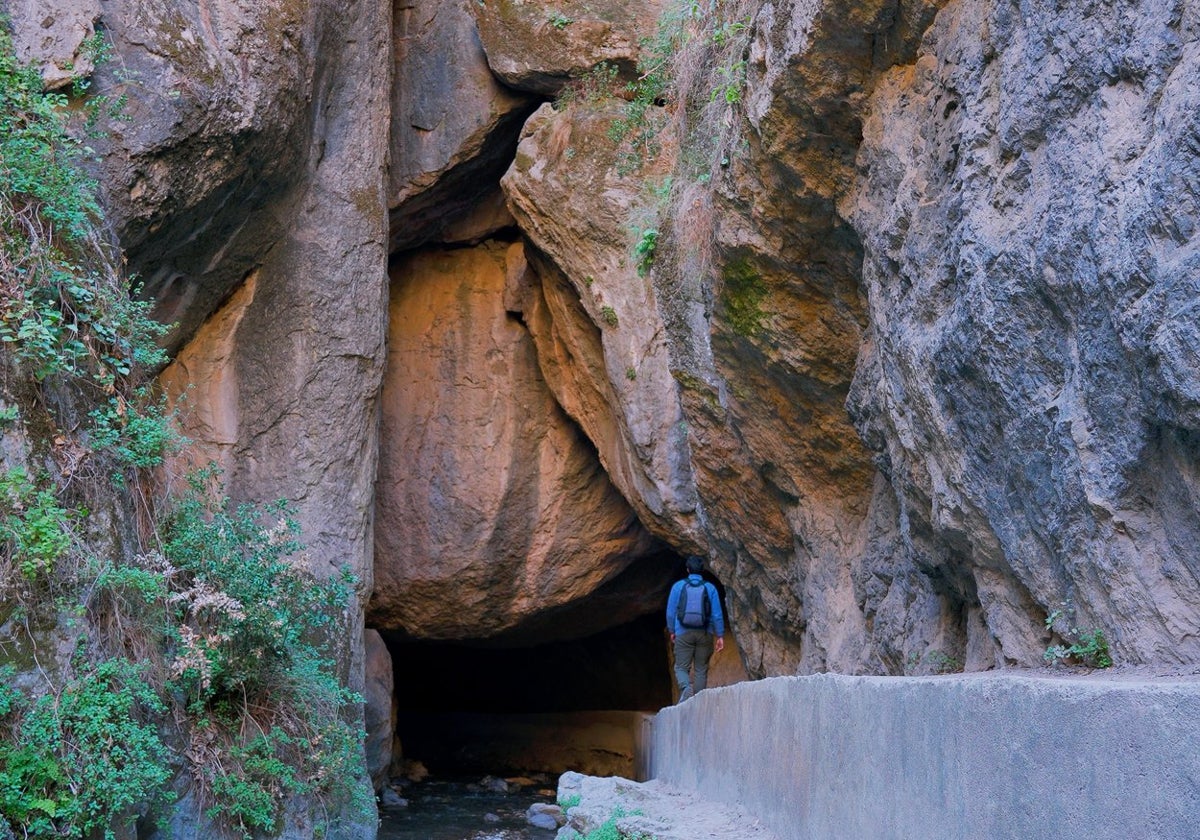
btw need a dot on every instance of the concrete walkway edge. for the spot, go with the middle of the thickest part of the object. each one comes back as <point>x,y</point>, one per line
<point>831,757</point>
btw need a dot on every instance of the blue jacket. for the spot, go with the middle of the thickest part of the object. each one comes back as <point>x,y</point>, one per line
<point>716,619</point>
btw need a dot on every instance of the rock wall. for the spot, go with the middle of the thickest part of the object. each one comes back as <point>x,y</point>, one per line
<point>1029,377</point>
<point>911,354</point>
<point>248,180</point>
<point>925,309</point>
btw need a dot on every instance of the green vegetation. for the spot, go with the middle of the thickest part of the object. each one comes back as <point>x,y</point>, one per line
<point>643,251</point>
<point>608,315</point>
<point>233,638</point>
<point>742,294</point>
<point>594,86</point>
<point>1087,647</point>
<point>609,830</point>
<point>937,662</point>
<point>85,761</point>
<point>559,21</point>
<point>35,526</point>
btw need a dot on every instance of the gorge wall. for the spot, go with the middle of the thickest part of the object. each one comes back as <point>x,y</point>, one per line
<point>887,309</point>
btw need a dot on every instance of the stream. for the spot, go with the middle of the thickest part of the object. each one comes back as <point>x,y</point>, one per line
<point>464,809</point>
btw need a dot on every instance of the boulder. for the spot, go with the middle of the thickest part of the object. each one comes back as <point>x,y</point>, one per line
<point>649,809</point>
<point>539,46</point>
<point>492,510</point>
<point>454,127</point>
<point>378,710</point>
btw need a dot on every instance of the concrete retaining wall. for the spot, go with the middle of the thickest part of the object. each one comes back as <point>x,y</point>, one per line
<point>983,756</point>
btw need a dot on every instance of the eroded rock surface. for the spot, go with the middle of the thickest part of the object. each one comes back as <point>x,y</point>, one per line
<point>492,508</point>
<point>537,46</point>
<point>230,108</point>
<point>454,126</point>
<point>754,320</point>
<point>1030,377</point>
<point>601,344</point>
<point>55,37</point>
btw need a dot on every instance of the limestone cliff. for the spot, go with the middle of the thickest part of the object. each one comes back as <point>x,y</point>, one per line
<point>887,307</point>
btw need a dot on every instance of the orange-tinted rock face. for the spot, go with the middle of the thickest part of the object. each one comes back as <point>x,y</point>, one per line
<point>491,506</point>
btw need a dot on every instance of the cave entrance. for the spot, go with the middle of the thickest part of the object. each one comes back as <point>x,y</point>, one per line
<point>581,704</point>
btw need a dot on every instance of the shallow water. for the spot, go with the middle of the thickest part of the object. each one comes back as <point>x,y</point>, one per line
<point>440,809</point>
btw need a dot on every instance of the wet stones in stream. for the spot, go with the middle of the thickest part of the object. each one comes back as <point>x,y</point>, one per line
<point>487,808</point>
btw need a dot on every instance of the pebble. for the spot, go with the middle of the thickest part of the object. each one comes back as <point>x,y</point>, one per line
<point>391,799</point>
<point>545,815</point>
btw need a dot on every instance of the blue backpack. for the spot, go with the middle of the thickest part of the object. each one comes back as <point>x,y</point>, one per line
<point>694,609</point>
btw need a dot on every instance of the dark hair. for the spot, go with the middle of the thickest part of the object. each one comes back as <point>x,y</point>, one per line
<point>695,564</point>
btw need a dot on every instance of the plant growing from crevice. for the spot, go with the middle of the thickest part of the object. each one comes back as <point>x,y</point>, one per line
<point>596,85</point>
<point>609,829</point>
<point>643,251</point>
<point>608,315</point>
<point>1085,647</point>
<point>937,661</point>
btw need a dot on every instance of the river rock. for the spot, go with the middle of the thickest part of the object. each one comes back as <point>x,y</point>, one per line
<point>545,815</point>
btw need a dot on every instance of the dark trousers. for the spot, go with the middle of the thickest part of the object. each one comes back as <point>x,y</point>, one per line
<point>693,649</point>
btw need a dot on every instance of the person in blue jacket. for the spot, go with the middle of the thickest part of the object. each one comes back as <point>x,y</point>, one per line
<point>694,645</point>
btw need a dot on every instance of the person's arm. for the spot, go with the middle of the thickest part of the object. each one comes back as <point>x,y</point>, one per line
<point>717,617</point>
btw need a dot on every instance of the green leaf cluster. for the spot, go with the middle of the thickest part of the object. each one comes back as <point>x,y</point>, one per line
<point>84,761</point>
<point>1087,647</point>
<point>35,526</point>
<point>643,251</point>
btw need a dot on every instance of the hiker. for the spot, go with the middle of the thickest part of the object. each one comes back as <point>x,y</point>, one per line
<point>694,617</point>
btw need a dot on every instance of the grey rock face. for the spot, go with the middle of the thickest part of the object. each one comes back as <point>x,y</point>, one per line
<point>454,126</point>
<point>538,46</point>
<point>227,118</point>
<point>53,36</point>
<point>1027,203</point>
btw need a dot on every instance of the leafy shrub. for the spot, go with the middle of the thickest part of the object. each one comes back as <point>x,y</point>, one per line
<point>1087,647</point>
<point>251,629</point>
<point>86,760</point>
<point>34,525</point>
